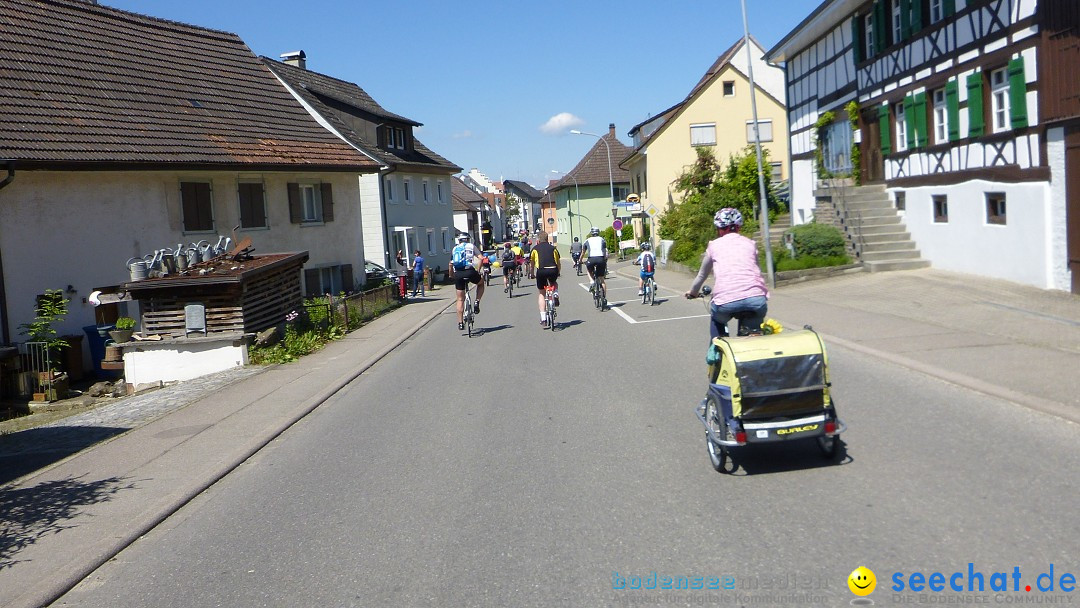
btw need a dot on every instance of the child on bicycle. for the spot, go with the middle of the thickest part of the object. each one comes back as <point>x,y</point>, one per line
<point>647,261</point>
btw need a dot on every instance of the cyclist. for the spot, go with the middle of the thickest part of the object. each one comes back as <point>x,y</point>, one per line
<point>575,252</point>
<point>519,257</point>
<point>595,254</point>
<point>738,287</point>
<point>647,261</point>
<point>526,248</point>
<point>463,271</point>
<point>545,258</point>
<point>509,265</point>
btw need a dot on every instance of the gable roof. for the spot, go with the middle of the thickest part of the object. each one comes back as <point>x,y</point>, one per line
<point>91,86</point>
<point>320,91</point>
<point>592,169</point>
<point>529,192</point>
<point>464,197</point>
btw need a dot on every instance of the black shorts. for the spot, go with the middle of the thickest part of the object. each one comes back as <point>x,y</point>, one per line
<point>508,267</point>
<point>546,276</point>
<point>597,265</point>
<point>469,275</point>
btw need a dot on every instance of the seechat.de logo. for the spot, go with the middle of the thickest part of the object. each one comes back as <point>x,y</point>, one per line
<point>862,581</point>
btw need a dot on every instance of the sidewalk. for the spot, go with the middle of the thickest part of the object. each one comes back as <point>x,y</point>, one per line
<point>136,478</point>
<point>999,338</point>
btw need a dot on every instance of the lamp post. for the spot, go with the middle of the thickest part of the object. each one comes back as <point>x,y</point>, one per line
<point>757,144</point>
<point>607,147</point>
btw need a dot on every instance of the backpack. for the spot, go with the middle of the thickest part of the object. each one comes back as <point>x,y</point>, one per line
<point>461,259</point>
<point>508,255</point>
<point>647,263</point>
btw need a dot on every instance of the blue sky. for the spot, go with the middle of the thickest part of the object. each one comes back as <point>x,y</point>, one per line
<point>484,76</point>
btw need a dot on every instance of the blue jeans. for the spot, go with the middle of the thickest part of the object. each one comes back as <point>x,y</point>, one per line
<point>750,312</point>
<point>418,283</point>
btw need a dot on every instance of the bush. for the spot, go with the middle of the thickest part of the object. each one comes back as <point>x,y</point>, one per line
<point>818,240</point>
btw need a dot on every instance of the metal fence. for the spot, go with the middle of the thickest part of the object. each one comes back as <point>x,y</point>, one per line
<point>350,312</point>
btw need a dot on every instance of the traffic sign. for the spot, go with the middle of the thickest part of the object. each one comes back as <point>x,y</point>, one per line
<point>617,224</point>
<point>652,210</point>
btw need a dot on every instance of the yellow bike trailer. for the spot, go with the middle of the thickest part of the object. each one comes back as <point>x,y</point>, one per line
<point>768,389</point>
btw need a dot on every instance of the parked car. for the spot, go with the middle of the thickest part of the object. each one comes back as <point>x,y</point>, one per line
<point>373,273</point>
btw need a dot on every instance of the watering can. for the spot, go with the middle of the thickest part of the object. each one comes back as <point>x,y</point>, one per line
<point>137,268</point>
<point>206,252</point>
<point>153,264</point>
<point>168,262</point>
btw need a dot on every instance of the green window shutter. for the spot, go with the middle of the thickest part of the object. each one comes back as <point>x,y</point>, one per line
<point>905,18</point>
<point>881,27</point>
<point>919,105</point>
<point>976,121</point>
<point>856,39</point>
<point>948,7</point>
<point>952,106</point>
<point>1017,93</point>
<point>916,16</point>
<point>886,132</point>
<point>909,120</point>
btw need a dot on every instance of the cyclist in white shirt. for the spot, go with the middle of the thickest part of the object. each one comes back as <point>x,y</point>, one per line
<point>463,271</point>
<point>594,252</point>
<point>647,261</point>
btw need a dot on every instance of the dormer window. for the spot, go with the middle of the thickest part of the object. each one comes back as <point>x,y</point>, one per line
<point>395,138</point>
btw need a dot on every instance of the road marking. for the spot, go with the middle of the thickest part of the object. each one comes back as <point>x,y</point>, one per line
<point>671,319</point>
<point>622,314</point>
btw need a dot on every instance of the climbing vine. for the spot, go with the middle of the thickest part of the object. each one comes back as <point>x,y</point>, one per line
<point>852,109</point>
<point>822,123</point>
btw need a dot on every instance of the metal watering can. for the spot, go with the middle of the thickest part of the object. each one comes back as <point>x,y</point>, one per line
<point>181,257</point>
<point>137,267</point>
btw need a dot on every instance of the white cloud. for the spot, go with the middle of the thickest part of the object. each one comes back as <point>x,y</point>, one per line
<point>466,134</point>
<point>561,123</point>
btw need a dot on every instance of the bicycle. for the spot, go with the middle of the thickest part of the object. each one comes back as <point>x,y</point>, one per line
<point>549,306</point>
<point>487,275</point>
<point>468,316</point>
<point>600,294</point>
<point>648,292</point>
<point>510,284</point>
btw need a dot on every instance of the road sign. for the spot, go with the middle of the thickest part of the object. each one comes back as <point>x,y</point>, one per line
<point>617,224</point>
<point>651,210</point>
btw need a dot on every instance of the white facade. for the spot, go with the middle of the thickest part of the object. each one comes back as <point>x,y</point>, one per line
<point>419,215</point>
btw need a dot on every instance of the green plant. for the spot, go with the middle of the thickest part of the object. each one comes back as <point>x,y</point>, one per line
<point>125,323</point>
<point>852,109</point>
<point>51,308</point>
<point>818,240</point>
<point>823,122</point>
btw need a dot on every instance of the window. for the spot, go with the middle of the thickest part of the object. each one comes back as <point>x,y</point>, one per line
<point>777,172</point>
<point>941,117</point>
<point>868,28</point>
<point>427,199</point>
<point>941,209</point>
<point>897,22</point>
<point>431,240</point>
<point>198,206</point>
<point>703,134</point>
<point>399,139</point>
<point>252,204</point>
<point>406,188</point>
<point>999,100</point>
<point>389,189</point>
<point>445,239</point>
<point>901,200</point>
<point>439,192</point>
<point>328,279</point>
<point>901,127</point>
<point>310,205</point>
<point>729,88</point>
<point>764,130</point>
<point>937,12</point>
<point>836,147</point>
<point>995,208</point>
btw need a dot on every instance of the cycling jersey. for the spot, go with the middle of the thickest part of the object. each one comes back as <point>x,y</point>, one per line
<point>596,246</point>
<point>545,255</point>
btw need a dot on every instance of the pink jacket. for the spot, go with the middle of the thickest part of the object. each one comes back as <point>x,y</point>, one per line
<point>732,259</point>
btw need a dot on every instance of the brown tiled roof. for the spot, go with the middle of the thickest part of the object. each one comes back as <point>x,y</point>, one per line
<point>88,84</point>
<point>592,170</point>
<point>321,91</point>
<point>530,193</point>
<point>464,197</point>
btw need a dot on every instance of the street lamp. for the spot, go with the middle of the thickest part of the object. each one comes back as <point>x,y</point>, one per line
<point>607,147</point>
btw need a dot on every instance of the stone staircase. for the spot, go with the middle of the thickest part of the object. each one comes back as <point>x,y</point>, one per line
<point>876,236</point>
<point>776,231</point>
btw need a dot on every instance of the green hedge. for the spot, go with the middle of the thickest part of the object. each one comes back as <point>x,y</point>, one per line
<point>818,240</point>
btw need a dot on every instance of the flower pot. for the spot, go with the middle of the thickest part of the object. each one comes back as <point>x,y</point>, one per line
<point>103,330</point>
<point>121,335</point>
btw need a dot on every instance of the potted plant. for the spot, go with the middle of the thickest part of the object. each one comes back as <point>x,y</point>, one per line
<point>125,326</point>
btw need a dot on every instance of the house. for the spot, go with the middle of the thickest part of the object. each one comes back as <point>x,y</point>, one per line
<point>497,218</point>
<point>124,134</point>
<point>586,194</point>
<point>527,200</point>
<point>407,206</point>
<point>717,114</point>
<point>469,208</point>
<point>967,118</point>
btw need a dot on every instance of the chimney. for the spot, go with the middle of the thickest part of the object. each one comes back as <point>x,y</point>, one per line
<point>611,129</point>
<point>296,59</point>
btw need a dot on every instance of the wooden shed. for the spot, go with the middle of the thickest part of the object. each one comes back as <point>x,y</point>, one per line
<point>246,295</point>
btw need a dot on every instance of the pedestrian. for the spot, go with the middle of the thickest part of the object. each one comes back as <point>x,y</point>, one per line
<point>418,274</point>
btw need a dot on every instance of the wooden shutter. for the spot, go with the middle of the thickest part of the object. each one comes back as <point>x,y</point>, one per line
<point>920,120</point>
<point>948,7</point>
<point>909,120</point>
<point>296,214</point>
<point>327,203</point>
<point>856,41</point>
<point>952,108</point>
<point>197,205</point>
<point>905,18</point>
<point>347,278</point>
<point>1017,94</point>
<point>884,127</point>
<point>976,121</point>
<point>881,27</point>
<point>916,16</point>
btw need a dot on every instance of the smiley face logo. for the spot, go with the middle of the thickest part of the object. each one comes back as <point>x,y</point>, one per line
<point>862,581</point>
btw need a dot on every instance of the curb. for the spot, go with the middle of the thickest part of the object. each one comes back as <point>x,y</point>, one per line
<point>49,591</point>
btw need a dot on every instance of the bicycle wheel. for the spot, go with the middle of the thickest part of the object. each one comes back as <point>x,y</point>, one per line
<point>645,292</point>
<point>551,313</point>
<point>603,298</point>
<point>651,292</point>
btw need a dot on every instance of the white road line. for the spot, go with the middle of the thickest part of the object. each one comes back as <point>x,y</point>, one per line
<point>671,319</point>
<point>622,314</point>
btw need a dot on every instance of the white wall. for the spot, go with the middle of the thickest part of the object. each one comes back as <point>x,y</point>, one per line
<point>802,191</point>
<point>1057,242</point>
<point>421,216</point>
<point>375,247</point>
<point>967,243</point>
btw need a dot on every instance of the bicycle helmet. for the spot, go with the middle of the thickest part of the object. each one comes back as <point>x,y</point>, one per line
<point>594,231</point>
<point>463,237</point>
<point>728,218</point>
<point>646,246</point>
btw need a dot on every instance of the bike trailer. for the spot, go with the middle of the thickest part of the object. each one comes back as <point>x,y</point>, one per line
<point>771,388</point>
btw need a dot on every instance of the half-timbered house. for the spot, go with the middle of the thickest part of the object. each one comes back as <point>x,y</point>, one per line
<point>967,115</point>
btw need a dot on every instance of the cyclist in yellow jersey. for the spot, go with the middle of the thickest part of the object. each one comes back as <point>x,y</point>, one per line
<point>545,259</point>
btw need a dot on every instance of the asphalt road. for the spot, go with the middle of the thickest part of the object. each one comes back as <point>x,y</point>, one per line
<point>532,468</point>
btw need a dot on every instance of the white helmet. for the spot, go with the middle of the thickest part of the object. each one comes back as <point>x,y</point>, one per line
<point>463,237</point>
<point>594,231</point>
<point>727,218</point>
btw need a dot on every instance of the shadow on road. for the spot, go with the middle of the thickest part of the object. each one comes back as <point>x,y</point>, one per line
<point>484,330</point>
<point>31,513</point>
<point>783,457</point>
<point>27,451</point>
